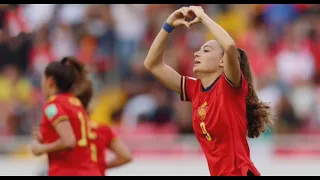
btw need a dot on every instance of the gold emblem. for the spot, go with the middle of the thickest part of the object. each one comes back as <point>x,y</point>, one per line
<point>202,111</point>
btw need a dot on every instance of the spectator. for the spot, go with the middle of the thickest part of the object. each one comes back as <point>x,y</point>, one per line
<point>130,26</point>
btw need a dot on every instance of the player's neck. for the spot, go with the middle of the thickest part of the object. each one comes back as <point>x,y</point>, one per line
<point>53,92</point>
<point>208,78</point>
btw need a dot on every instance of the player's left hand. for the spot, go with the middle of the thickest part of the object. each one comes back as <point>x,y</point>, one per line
<point>198,12</point>
<point>36,148</point>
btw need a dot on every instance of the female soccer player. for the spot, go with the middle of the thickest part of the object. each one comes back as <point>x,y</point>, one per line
<point>102,138</point>
<point>225,106</point>
<point>64,126</point>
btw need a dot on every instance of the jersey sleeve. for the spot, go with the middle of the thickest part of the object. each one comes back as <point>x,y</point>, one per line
<point>55,113</point>
<point>187,88</point>
<point>110,135</point>
<point>228,84</point>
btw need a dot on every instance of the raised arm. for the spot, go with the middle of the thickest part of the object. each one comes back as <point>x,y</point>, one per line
<point>230,59</point>
<point>154,62</point>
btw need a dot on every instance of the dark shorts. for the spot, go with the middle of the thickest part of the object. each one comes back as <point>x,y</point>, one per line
<point>249,173</point>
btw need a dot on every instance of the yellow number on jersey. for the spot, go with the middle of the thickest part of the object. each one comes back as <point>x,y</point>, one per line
<point>83,141</point>
<point>85,131</point>
<point>93,136</point>
<point>94,156</point>
<point>204,131</point>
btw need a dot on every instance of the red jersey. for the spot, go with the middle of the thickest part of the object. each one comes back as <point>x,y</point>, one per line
<point>71,162</point>
<point>101,138</point>
<point>220,124</point>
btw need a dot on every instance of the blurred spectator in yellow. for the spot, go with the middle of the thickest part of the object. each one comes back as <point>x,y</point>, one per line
<point>15,95</point>
<point>107,104</point>
<point>234,19</point>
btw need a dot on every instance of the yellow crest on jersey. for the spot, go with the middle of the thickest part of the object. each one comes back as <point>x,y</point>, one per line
<point>202,111</point>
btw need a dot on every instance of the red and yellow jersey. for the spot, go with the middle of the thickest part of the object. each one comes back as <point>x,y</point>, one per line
<point>101,138</point>
<point>220,124</point>
<point>76,161</point>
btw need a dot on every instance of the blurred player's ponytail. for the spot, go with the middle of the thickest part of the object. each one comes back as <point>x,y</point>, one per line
<point>62,75</point>
<point>258,113</point>
<point>82,87</point>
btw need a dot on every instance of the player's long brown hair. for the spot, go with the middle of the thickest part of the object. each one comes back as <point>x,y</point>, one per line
<point>82,87</point>
<point>258,113</point>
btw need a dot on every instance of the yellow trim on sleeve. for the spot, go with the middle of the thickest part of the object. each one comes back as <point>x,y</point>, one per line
<point>59,119</point>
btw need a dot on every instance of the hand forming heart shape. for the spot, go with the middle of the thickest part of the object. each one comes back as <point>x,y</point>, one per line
<point>187,16</point>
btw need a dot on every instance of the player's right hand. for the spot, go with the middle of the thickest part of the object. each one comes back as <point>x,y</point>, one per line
<point>36,148</point>
<point>36,134</point>
<point>178,17</point>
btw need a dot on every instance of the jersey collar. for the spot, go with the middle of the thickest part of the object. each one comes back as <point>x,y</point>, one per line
<point>209,87</point>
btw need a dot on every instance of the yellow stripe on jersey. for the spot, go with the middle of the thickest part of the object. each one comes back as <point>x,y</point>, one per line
<point>60,119</point>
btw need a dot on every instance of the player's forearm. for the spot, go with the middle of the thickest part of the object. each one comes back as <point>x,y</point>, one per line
<point>156,51</point>
<point>58,145</point>
<point>223,38</point>
<point>118,161</point>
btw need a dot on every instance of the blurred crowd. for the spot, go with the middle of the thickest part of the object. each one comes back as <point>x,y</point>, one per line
<point>281,40</point>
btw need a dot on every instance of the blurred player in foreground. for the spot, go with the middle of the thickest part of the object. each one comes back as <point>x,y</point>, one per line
<point>64,128</point>
<point>225,105</point>
<point>102,138</point>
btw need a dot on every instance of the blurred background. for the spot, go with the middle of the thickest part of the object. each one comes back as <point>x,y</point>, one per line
<point>281,40</point>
